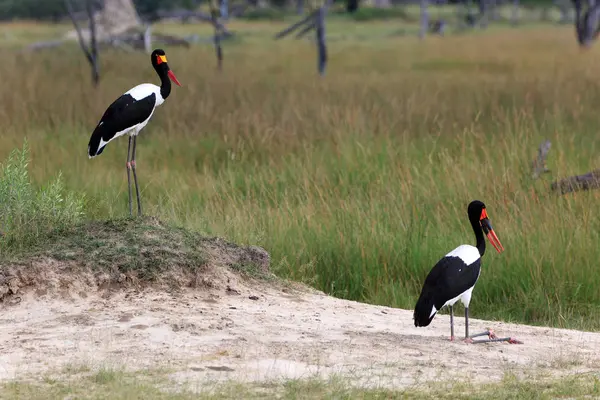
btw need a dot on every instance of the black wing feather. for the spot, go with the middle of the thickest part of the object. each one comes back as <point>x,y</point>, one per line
<point>123,113</point>
<point>447,279</point>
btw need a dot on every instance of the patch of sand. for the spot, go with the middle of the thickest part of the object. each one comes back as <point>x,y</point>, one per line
<point>263,333</point>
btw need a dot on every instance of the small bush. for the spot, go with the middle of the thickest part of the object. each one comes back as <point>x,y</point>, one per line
<point>28,213</point>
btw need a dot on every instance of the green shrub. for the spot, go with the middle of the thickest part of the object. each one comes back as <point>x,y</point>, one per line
<point>28,213</point>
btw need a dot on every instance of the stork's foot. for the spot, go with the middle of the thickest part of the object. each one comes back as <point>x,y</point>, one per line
<point>452,338</point>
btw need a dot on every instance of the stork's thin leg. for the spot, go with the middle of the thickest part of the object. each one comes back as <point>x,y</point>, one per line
<point>466,320</point>
<point>137,190</point>
<point>128,164</point>
<point>489,333</point>
<point>451,323</point>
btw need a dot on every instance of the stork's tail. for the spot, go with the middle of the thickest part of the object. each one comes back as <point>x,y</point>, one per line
<point>425,309</point>
<point>96,144</point>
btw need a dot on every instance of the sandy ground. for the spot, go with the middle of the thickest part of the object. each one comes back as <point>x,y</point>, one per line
<point>265,333</point>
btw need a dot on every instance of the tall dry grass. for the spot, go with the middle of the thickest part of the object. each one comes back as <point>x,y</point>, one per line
<point>357,183</point>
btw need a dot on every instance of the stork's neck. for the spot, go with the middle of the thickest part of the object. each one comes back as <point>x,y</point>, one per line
<point>165,83</point>
<point>478,235</point>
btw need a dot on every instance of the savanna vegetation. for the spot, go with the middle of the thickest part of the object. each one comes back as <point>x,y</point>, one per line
<point>356,183</point>
<point>101,383</point>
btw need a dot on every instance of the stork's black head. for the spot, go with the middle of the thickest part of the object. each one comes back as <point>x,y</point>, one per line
<point>159,62</point>
<point>478,215</point>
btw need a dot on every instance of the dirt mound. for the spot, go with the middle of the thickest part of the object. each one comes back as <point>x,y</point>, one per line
<point>128,253</point>
<point>214,320</point>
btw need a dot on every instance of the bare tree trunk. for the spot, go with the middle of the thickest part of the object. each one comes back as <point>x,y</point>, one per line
<point>91,51</point>
<point>515,12</point>
<point>322,54</point>
<point>424,19</point>
<point>93,43</point>
<point>148,39</point>
<point>217,37</point>
<point>494,14</point>
<point>483,12</point>
<point>225,9</point>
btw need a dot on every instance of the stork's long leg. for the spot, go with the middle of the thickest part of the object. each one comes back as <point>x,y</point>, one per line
<point>137,190</point>
<point>451,323</point>
<point>489,333</point>
<point>128,164</point>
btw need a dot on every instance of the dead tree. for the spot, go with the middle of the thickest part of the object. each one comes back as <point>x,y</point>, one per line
<point>515,13</point>
<point>538,165</point>
<point>483,13</point>
<point>322,48</point>
<point>587,18</point>
<point>90,50</point>
<point>224,9</point>
<point>424,18</point>
<point>217,36</point>
<point>313,21</point>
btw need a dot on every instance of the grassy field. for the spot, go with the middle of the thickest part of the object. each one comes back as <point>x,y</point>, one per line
<point>356,183</point>
<point>101,383</point>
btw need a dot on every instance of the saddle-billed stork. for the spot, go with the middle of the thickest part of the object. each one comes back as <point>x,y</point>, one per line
<point>130,113</point>
<point>454,276</point>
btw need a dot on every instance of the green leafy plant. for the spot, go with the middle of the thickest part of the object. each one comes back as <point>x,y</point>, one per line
<point>28,213</point>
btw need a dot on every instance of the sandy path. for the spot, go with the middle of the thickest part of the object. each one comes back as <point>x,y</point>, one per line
<point>279,333</point>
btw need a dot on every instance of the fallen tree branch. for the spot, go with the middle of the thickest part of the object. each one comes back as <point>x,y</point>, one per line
<point>588,181</point>
<point>538,165</point>
<point>48,44</point>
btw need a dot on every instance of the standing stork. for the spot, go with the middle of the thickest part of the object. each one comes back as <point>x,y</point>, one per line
<point>130,113</point>
<point>454,276</point>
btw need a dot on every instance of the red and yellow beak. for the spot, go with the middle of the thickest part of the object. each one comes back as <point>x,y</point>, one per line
<point>163,59</point>
<point>489,231</point>
<point>173,78</point>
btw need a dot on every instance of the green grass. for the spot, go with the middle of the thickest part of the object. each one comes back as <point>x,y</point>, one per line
<point>153,385</point>
<point>356,183</point>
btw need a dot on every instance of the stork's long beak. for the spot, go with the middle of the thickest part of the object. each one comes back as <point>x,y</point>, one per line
<point>491,235</point>
<point>173,78</point>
